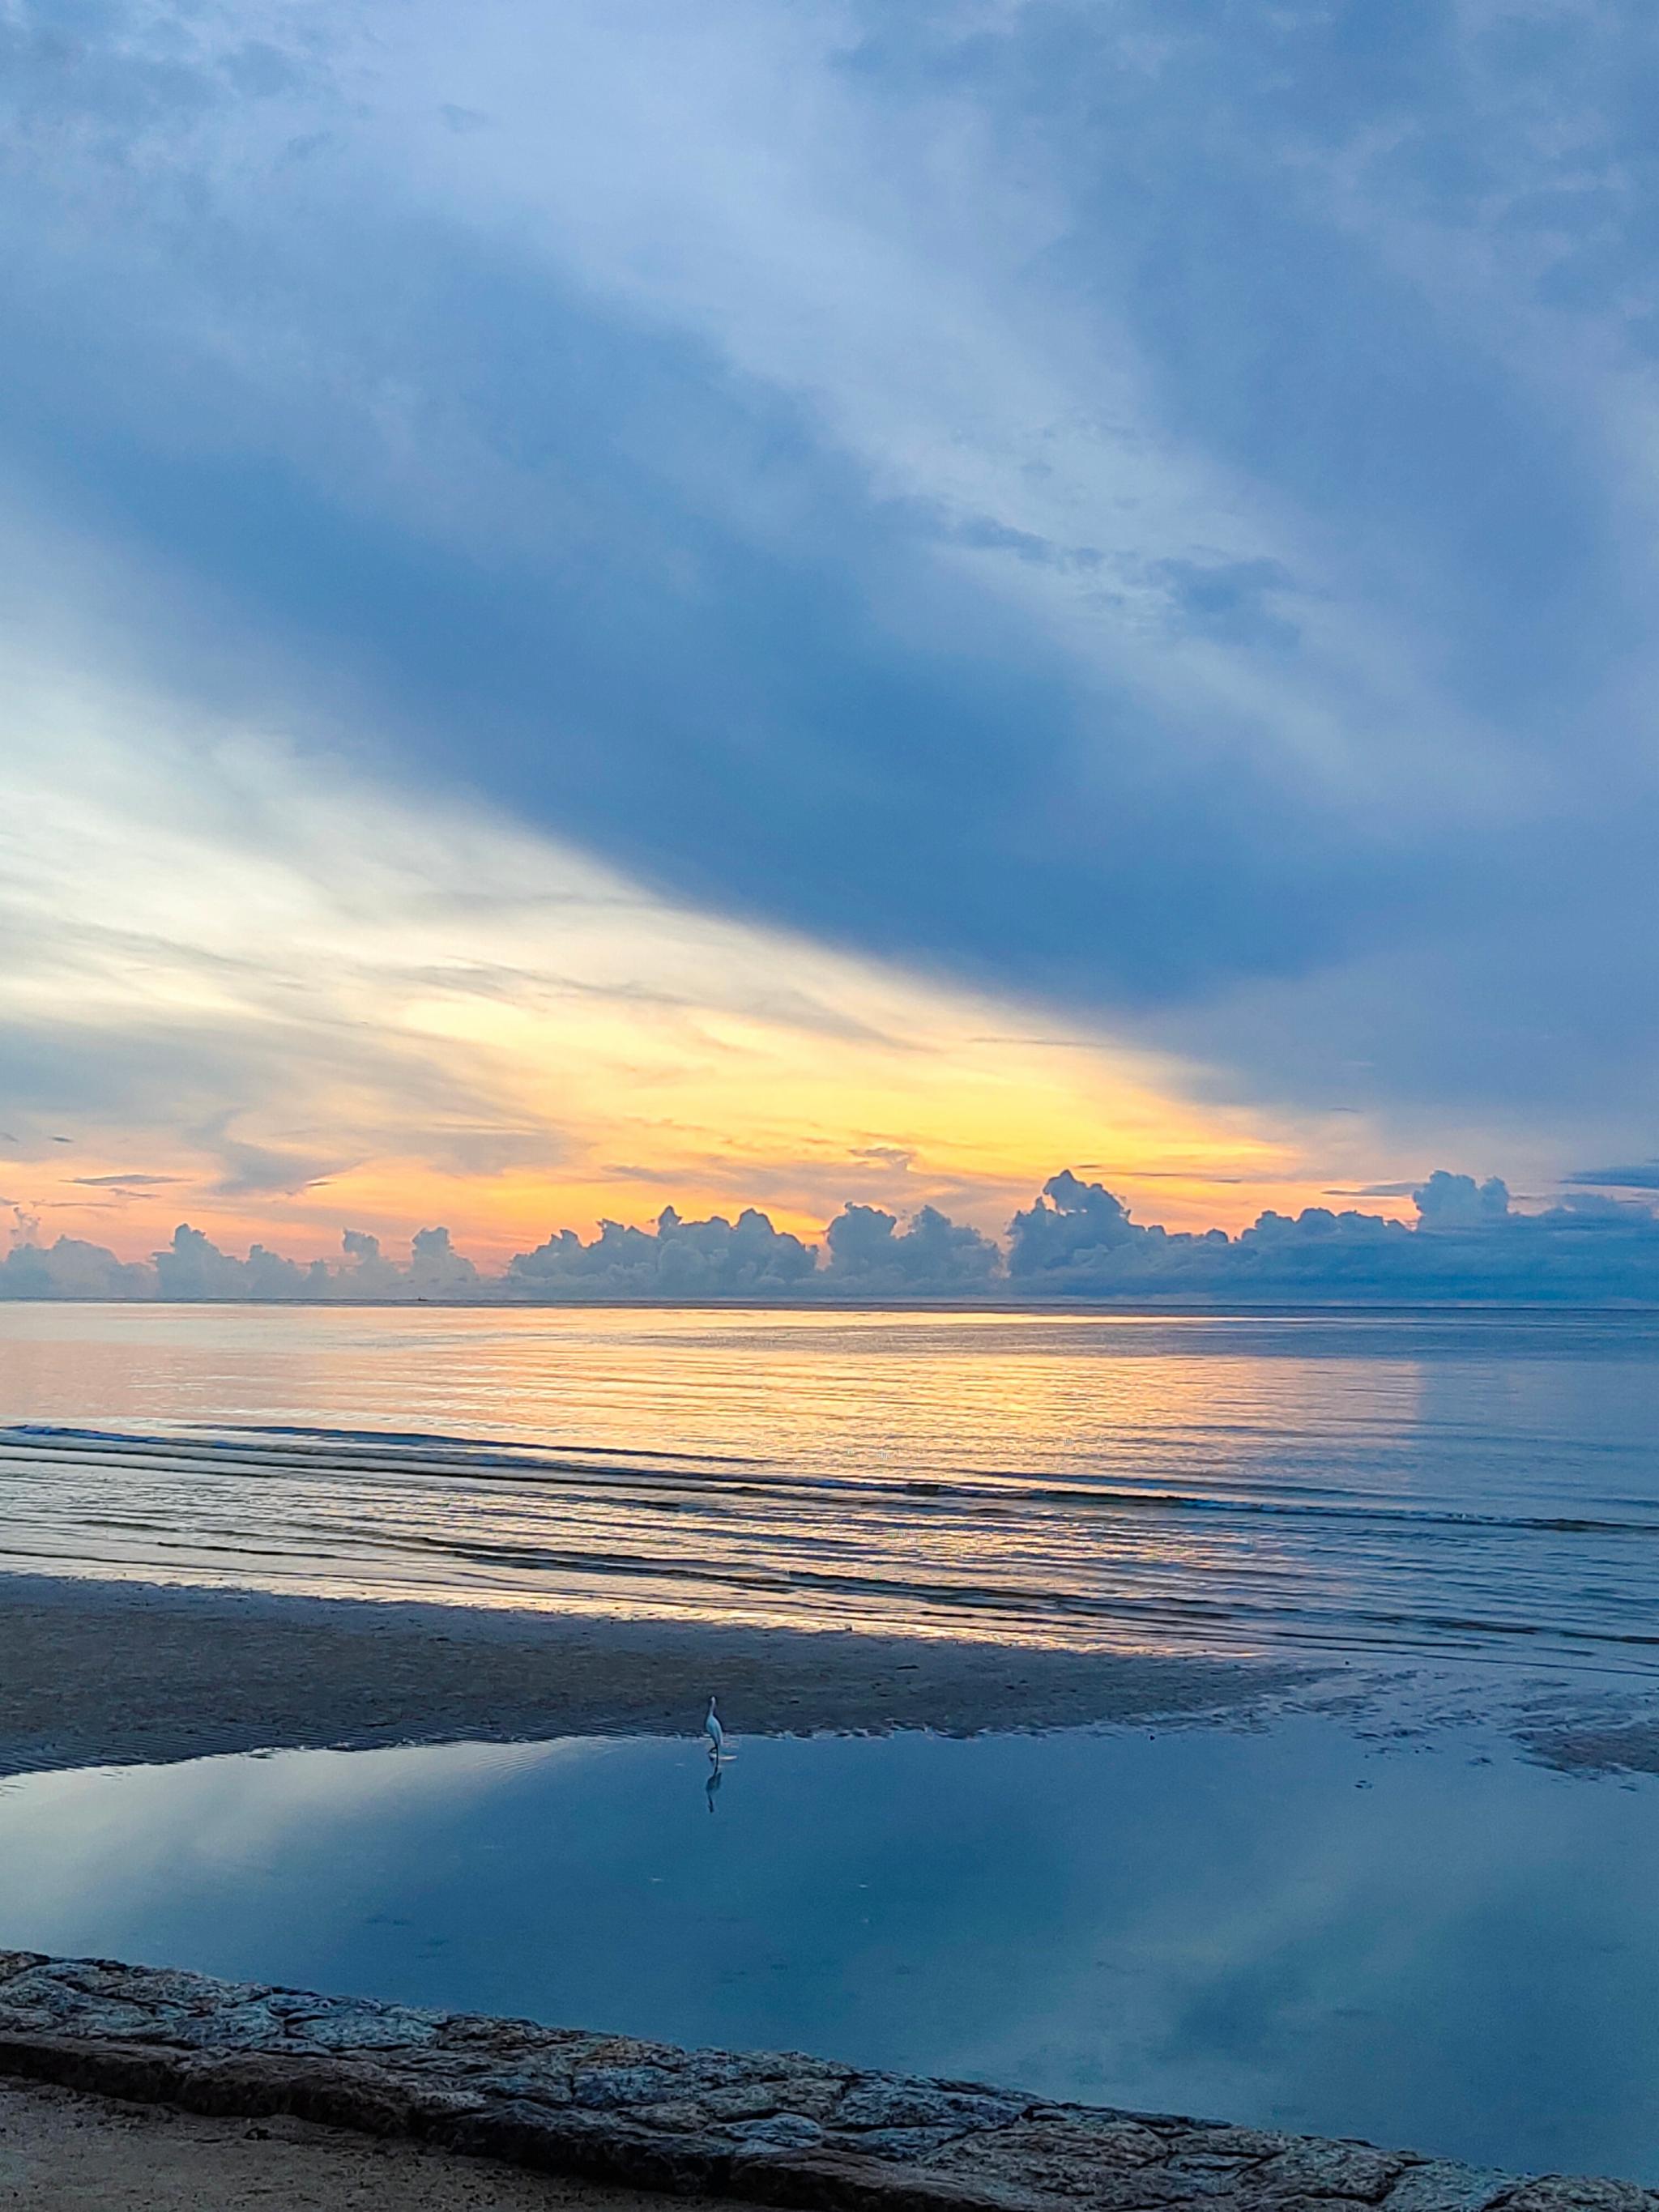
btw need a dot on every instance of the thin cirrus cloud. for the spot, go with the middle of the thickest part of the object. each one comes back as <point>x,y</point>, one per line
<point>303,1000</point>
<point>1139,514</point>
<point>123,1182</point>
<point>1642,1174</point>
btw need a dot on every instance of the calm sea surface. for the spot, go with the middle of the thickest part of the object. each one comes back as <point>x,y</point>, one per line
<point>1475,1486</point>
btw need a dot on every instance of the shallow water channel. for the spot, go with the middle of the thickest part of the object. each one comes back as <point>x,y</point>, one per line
<point>1430,1943</point>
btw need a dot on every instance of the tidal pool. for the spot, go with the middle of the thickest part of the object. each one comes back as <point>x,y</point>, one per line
<point>1432,1944</point>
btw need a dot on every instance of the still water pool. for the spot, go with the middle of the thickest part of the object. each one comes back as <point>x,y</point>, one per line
<point>1430,1944</point>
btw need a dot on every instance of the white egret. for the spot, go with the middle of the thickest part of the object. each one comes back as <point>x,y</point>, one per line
<point>714,1732</point>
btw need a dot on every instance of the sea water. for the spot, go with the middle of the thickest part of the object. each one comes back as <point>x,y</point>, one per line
<point>1482,1485</point>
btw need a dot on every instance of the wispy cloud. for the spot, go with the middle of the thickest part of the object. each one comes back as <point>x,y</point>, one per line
<point>294,995</point>
<point>124,1182</point>
<point>1642,1174</point>
<point>1144,521</point>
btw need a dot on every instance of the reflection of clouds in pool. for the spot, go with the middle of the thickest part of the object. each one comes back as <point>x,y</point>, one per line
<point>1459,1958</point>
<point>211,1826</point>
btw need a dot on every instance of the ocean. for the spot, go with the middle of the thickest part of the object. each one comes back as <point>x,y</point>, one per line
<point>1469,1486</point>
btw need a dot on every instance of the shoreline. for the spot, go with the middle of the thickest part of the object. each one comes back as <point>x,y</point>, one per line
<point>114,1671</point>
<point>109,1672</point>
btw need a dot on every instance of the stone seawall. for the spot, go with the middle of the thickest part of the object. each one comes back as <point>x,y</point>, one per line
<point>764,2126</point>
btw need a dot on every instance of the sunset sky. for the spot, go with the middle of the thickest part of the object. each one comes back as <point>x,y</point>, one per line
<point>622,602</point>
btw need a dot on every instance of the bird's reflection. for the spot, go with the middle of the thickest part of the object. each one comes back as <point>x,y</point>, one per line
<point>716,1775</point>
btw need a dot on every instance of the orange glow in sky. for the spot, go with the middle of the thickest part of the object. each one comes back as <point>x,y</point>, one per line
<point>334,1027</point>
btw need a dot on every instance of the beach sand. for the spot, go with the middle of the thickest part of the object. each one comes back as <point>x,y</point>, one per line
<point>104,1672</point>
<point>64,2151</point>
<point>111,1673</point>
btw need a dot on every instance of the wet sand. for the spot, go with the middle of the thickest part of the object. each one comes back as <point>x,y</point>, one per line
<point>64,2151</point>
<point>95,1672</point>
<point>1623,1740</point>
<point>113,1672</point>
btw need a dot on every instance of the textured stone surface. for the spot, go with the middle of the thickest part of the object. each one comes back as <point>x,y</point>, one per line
<point>769,2127</point>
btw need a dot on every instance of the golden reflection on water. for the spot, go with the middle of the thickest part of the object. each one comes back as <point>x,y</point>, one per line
<point>1151,1481</point>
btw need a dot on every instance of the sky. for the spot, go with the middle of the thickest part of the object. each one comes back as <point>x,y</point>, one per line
<point>618,604</point>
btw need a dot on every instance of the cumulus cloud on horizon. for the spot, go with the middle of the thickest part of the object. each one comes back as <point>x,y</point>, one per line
<point>1075,1241</point>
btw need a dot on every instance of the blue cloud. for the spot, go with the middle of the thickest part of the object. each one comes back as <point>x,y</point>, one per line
<point>1642,1174</point>
<point>70,1268</point>
<point>1076,1241</point>
<point>193,1268</point>
<point>1469,1245</point>
<point>1234,601</point>
<point>1230,627</point>
<point>677,1258</point>
<point>870,1256</point>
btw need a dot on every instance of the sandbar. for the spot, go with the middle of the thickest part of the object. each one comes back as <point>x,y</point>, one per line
<point>95,1673</point>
